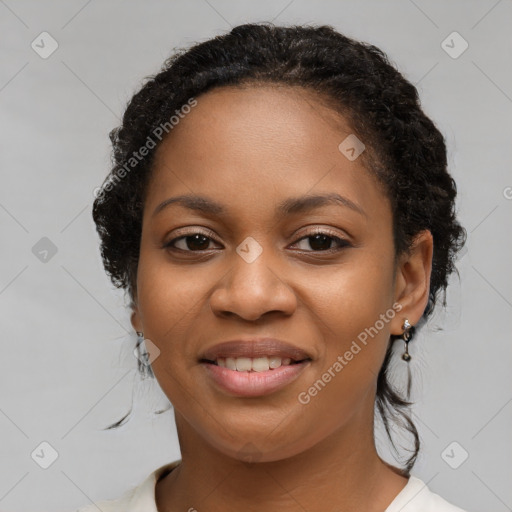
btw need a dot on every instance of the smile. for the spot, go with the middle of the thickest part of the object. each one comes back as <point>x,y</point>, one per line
<point>256,364</point>
<point>248,377</point>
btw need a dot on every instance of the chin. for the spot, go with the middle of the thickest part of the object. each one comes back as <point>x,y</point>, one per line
<point>260,447</point>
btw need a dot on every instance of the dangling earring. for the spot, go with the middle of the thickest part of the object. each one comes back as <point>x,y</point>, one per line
<point>407,336</point>
<point>142,356</point>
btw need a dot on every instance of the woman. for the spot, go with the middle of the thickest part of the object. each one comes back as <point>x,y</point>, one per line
<point>280,213</point>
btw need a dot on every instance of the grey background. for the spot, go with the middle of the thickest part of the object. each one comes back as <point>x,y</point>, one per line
<point>67,368</point>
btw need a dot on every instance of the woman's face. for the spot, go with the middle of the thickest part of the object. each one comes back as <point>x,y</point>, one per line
<point>253,266</point>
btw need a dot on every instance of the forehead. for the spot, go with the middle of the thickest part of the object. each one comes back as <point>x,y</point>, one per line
<point>256,145</point>
<point>291,121</point>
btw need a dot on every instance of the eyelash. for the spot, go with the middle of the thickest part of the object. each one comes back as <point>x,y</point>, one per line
<point>342,243</point>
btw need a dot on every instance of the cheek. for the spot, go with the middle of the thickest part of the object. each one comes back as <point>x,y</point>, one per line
<point>349,309</point>
<point>355,294</point>
<point>169,301</point>
<point>354,309</point>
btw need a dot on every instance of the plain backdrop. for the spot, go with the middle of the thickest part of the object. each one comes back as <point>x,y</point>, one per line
<point>67,368</point>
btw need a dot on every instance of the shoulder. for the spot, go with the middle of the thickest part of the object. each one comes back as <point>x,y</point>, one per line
<point>140,497</point>
<point>417,497</point>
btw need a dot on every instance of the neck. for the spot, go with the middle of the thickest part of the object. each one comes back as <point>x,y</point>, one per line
<point>342,472</point>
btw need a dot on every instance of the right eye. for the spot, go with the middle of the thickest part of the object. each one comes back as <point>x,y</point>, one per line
<point>193,242</point>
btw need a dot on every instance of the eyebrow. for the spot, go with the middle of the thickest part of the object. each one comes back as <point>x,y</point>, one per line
<point>289,206</point>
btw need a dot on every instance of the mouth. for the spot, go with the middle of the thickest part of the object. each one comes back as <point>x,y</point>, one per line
<point>253,364</point>
<point>251,368</point>
<point>261,351</point>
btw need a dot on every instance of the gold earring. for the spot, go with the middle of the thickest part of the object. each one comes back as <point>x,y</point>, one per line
<point>407,336</point>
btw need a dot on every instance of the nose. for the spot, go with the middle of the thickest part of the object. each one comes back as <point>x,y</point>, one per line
<point>252,290</point>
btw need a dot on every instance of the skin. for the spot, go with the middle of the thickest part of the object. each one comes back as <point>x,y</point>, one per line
<point>249,149</point>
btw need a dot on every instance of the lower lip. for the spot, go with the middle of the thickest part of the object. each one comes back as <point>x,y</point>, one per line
<point>251,384</point>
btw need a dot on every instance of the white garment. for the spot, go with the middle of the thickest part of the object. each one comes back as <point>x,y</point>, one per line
<point>414,497</point>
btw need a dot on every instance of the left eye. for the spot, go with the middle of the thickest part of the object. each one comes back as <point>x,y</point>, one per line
<point>322,241</point>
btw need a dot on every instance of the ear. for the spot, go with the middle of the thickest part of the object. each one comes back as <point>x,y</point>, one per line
<point>412,282</point>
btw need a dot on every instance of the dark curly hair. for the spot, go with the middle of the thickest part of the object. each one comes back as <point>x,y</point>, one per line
<point>404,149</point>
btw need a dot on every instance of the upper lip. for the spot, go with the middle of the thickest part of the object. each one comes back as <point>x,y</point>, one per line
<point>256,347</point>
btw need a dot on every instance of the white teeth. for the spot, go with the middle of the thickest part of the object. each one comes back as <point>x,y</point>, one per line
<point>231,363</point>
<point>260,364</point>
<point>243,364</point>
<point>256,364</point>
<point>274,362</point>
